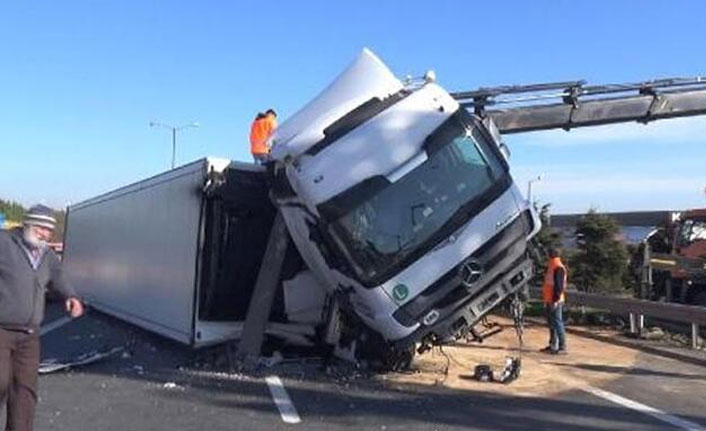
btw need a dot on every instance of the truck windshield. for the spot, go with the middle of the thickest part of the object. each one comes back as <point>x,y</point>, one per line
<point>387,228</point>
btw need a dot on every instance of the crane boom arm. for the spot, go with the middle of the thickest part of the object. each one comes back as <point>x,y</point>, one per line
<point>568,105</point>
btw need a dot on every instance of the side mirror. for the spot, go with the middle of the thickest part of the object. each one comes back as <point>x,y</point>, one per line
<point>505,150</point>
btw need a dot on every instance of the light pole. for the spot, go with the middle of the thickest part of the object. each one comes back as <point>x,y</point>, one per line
<point>174,129</point>
<point>529,187</point>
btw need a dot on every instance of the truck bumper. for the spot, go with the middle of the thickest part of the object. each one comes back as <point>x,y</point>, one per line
<point>456,323</point>
<point>448,308</point>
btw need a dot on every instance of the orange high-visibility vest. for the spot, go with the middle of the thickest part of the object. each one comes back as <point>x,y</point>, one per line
<point>548,286</point>
<point>258,137</point>
<point>270,124</point>
<point>260,132</point>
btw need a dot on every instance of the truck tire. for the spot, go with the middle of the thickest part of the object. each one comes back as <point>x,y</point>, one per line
<point>400,360</point>
<point>382,356</point>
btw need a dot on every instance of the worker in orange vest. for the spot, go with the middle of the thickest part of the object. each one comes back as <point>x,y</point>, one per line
<point>553,297</point>
<point>261,131</point>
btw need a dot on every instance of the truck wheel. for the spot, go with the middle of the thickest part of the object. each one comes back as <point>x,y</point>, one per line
<point>381,355</point>
<point>399,360</point>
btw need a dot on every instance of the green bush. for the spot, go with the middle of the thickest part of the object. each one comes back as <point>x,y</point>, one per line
<point>600,262</point>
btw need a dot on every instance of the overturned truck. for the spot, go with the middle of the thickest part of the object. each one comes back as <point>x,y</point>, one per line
<point>400,204</point>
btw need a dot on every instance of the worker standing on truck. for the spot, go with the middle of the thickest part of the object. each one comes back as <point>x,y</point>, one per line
<point>28,267</point>
<point>261,131</point>
<point>553,296</point>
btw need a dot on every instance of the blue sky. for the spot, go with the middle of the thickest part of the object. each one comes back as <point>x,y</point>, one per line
<point>81,80</point>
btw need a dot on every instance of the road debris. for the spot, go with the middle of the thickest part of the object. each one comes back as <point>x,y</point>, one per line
<point>172,386</point>
<point>511,371</point>
<point>53,365</point>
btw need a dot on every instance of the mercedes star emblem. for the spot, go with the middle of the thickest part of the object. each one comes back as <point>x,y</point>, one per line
<point>470,272</point>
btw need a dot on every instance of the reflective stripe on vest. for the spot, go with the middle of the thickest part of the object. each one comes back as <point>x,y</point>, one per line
<point>548,285</point>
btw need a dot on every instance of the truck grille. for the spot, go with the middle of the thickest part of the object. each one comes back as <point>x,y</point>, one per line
<point>495,257</point>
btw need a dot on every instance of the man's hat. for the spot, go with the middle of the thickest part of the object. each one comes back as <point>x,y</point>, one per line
<point>40,215</point>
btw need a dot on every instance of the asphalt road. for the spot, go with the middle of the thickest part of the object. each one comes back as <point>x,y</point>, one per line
<point>161,385</point>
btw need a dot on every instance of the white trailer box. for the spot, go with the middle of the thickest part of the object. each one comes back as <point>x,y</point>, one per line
<point>170,256</point>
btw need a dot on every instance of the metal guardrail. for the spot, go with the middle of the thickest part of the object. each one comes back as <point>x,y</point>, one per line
<point>637,309</point>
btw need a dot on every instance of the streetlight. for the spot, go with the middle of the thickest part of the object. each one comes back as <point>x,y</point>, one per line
<point>174,129</point>
<point>529,186</point>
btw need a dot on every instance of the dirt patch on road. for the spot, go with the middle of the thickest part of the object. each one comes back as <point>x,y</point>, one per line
<point>588,362</point>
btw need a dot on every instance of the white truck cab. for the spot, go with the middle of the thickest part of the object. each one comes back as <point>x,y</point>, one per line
<point>402,202</point>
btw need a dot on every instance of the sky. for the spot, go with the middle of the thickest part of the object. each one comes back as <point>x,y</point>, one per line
<point>80,82</point>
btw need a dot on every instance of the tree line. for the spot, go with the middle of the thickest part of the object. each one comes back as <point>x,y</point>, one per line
<point>600,263</point>
<point>13,211</point>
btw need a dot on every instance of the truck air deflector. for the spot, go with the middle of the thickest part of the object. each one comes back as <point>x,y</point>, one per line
<point>365,78</point>
<point>355,118</point>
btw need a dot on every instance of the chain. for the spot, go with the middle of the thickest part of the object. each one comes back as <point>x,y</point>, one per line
<point>517,308</point>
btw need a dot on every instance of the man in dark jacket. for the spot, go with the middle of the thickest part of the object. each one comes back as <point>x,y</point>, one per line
<point>28,267</point>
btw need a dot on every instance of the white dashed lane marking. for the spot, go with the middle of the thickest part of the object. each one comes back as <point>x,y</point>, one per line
<point>642,408</point>
<point>282,400</point>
